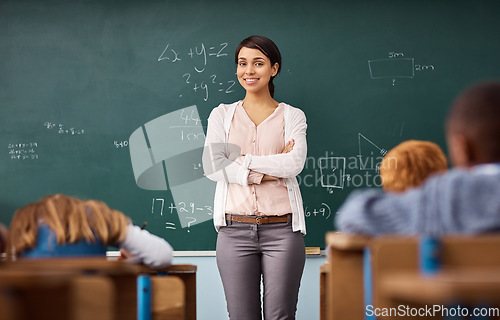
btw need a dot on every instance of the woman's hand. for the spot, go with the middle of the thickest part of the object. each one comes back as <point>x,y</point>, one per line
<point>289,146</point>
<point>269,178</point>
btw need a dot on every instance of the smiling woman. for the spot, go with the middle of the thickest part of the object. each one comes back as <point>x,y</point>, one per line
<point>264,56</point>
<point>255,71</point>
<point>258,206</point>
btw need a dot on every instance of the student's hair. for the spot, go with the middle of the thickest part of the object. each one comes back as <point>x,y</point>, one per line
<point>409,163</point>
<point>476,115</point>
<point>3,238</point>
<point>268,48</point>
<point>70,218</point>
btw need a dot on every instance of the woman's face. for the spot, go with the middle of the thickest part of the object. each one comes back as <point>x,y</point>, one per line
<point>254,70</point>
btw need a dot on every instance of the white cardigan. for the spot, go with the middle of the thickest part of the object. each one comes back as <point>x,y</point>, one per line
<point>219,161</point>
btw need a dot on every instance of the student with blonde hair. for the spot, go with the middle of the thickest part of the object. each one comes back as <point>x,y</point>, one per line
<point>62,226</point>
<point>408,164</point>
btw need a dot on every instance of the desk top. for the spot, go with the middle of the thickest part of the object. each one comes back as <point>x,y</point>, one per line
<point>90,264</point>
<point>346,241</point>
<point>475,286</point>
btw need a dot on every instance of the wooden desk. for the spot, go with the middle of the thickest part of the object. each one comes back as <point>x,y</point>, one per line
<point>187,273</point>
<point>122,274</point>
<point>342,277</point>
<point>26,295</point>
<point>471,287</point>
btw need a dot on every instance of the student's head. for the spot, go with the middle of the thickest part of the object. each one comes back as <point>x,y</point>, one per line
<point>408,164</point>
<point>258,61</point>
<point>473,126</point>
<point>4,234</point>
<point>71,220</point>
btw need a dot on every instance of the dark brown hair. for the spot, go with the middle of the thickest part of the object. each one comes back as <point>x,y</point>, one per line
<point>476,115</point>
<point>268,48</point>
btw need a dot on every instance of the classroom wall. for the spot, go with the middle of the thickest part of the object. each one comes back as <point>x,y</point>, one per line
<point>211,303</point>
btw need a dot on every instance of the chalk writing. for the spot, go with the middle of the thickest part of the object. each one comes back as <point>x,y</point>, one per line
<point>197,166</point>
<point>170,225</point>
<point>190,222</point>
<point>23,151</point>
<point>184,207</point>
<point>121,144</point>
<point>190,116</point>
<point>396,66</point>
<point>323,211</point>
<point>158,205</point>
<point>203,87</point>
<point>419,67</point>
<point>192,123</point>
<point>396,55</point>
<point>392,68</point>
<point>62,129</point>
<point>172,55</point>
<point>365,145</point>
<point>332,172</point>
<point>162,205</point>
<point>199,56</point>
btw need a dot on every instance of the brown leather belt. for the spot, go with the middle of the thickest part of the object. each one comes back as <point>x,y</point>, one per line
<point>258,220</point>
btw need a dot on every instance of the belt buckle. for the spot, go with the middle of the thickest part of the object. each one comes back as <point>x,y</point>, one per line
<point>258,220</point>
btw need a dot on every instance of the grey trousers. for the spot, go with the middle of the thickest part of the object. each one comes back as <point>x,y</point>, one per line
<point>246,253</point>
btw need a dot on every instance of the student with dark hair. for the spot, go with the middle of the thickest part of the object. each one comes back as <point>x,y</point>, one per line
<point>4,234</point>
<point>254,150</point>
<point>410,163</point>
<point>463,200</point>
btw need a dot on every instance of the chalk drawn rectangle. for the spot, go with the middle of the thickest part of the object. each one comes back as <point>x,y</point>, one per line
<point>332,172</point>
<point>392,68</point>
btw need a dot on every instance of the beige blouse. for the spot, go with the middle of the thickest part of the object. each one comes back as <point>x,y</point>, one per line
<point>259,197</point>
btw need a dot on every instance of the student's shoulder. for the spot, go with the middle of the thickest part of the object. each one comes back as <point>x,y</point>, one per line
<point>465,178</point>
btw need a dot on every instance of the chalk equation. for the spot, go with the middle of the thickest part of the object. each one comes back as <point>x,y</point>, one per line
<point>224,87</point>
<point>62,130</point>
<point>158,207</point>
<point>187,129</point>
<point>323,211</point>
<point>23,151</point>
<point>198,58</point>
<point>173,56</point>
<point>185,212</point>
<point>395,66</point>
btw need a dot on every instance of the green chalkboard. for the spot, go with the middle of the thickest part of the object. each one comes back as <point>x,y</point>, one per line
<point>109,99</point>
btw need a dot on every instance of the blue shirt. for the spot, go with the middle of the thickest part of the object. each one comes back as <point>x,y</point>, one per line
<point>46,246</point>
<point>465,201</point>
